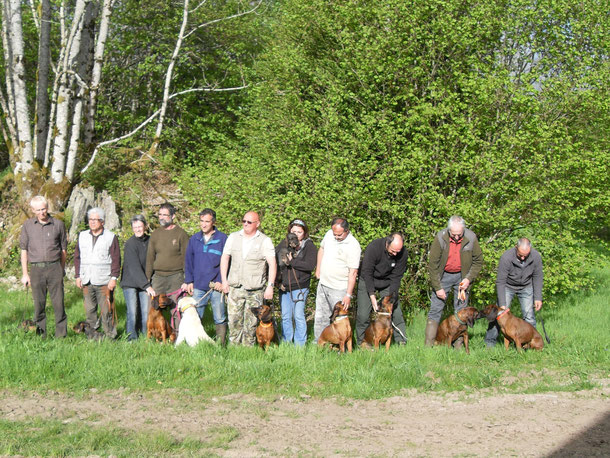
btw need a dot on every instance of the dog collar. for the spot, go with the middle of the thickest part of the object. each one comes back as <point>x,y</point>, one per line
<point>458,318</point>
<point>265,325</point>
<point>339,318</point>
<point>383,313</point>
<point>504,310</point>
<point>186,308</point>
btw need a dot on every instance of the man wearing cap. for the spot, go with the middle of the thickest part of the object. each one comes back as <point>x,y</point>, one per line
<point>43,244</point>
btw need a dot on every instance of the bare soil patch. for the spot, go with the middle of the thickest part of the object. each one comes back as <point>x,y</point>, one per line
<point>415,424</point>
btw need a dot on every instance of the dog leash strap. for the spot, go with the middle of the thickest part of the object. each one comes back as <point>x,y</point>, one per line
<point>544,329</point>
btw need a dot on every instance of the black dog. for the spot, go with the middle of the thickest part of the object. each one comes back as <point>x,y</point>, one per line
<point>289,250</point>
<point>82,327</point>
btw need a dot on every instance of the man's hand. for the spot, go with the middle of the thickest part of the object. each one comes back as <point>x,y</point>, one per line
<point>374,302</point>
<point>268,292</point>
<point>538,305</point>
<point>218,286</point>
<point>441,294</point>
<point>190,288</point>
<point>225,287</point>
<point>150,291</point>
<point>25,280</point>
<point>346,302</point>
<point>79,283</point>
<point>184,287</point>
<point>112,285</point>
<point>464,284</point>
<point>317,274</point>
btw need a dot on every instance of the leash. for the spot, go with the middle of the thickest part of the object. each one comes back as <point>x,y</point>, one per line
<point>393,325</point>
<point>26,299</point>
<point>301,294</point>
<point>543,328</point>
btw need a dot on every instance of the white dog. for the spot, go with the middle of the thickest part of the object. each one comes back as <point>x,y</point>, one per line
<point>190,330</point>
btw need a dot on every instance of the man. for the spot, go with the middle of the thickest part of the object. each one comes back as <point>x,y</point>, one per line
<point>250,252</point>
<point>166,253</point>
<point>383,266</point>
<point>97,265</point>
<point>202,267</point>
<point>519,274</point>
<point>337,270</point>
<point>43,245</point>
<point>455,261</point>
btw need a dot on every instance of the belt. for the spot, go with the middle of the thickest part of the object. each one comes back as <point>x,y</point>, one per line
<point>43,264</point>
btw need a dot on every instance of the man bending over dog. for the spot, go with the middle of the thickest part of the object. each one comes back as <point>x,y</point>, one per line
<point>519,274</point>
<point>97,265</point>
<point>454,262</point>
<point>249,252</point>
<point>337,270</point>
<point>383,266</point>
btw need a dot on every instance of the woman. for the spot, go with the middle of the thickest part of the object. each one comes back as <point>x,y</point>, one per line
<point>135,285</point>
<point>295,268</point>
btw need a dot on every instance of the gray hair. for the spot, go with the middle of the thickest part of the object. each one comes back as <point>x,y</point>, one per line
<point>140,218</point>
<point>38,199</point>
<point>455,220</point>
<point>98,211</point>
<point>524,242</point>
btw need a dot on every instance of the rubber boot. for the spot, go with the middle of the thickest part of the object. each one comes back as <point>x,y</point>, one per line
<point>221,333</point>
<point>431,327</point>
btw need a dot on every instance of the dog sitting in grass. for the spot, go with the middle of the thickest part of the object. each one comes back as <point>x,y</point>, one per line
<point>190,329</point>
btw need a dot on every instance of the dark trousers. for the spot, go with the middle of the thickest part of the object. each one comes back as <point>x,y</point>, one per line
<point>49,278</point>
<point>364,312</point>
<point>100,295</point>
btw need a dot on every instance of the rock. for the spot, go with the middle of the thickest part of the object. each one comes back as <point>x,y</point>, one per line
<point>83,199</point>
<point>105,202</point>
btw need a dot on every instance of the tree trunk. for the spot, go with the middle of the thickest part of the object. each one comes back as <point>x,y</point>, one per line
<point>41,127</point>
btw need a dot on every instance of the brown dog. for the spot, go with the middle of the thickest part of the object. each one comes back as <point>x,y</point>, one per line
<point>339,331</point>
<point>82,327</point>
<point>156,325</point>
<point>516,330</point>
<point>380,330</point>
<point>265,332</point>
<point>457,325</point>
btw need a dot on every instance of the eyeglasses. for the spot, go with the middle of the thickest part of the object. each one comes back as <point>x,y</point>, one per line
<point>245,221</point>
<point>164,215</point>
<point>95,219</point>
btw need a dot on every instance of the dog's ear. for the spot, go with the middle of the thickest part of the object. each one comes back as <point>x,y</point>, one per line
<point>255,310</point>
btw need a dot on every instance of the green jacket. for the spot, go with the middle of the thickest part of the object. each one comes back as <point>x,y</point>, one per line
<point>471,257</point>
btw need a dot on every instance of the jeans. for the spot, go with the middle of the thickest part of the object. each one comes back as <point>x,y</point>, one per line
<point>135,299</point>
<point>293,307</point>
<point>218,304</point>
<point>526,299</point>
<point>449,281</point>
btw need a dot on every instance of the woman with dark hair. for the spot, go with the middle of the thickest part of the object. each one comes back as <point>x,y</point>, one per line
<point>295,263</point>
<point>135,285</point>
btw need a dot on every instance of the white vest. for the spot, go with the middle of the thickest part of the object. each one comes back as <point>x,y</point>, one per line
<point>95,261</point>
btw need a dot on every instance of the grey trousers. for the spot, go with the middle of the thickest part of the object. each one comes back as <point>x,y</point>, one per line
<point>49,279</point>
<point>326,298</point>
<point>100,295</point>
<point>364,312</point>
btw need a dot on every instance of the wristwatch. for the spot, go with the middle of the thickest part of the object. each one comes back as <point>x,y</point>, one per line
<point>270,284</point>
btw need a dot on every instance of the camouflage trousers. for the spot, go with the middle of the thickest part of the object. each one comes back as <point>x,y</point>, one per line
<point>242,322</point>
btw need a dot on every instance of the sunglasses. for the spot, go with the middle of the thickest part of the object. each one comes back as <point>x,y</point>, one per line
<point>245,221</point>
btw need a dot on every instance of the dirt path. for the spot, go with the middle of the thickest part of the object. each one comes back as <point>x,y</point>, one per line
<point>550,424</point>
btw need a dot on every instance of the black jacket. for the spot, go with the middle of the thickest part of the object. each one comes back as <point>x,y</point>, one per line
<point>380,270</point>
<point>301,266</point>
<point>134,263</point>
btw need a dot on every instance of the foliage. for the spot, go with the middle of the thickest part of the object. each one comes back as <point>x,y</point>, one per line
<point>399,114</point>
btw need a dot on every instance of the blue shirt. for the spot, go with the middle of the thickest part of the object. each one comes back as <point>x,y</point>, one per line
<point>202,261</point>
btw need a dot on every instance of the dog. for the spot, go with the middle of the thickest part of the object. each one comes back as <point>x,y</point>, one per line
<point>457,325</point>
<point>514,329</point>
<point>28,326</point>
<point>265,331</point>
<point>190,330</point>
<point>380,331</point>
<point>156,325</point>
<point>339,331</point>
<point>291,248</point>
<point>82,327</point>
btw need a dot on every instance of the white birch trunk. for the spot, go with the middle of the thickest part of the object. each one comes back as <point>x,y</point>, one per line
<point>41,120</point>
<point>96,74</point>
<point>168,76</point>
<point>22,114</point>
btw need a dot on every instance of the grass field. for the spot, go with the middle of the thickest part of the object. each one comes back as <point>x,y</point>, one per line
<point>577,359</point>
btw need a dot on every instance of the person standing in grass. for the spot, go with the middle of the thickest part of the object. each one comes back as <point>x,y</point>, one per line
<point>383,266</point>
<point>296,275</point>
<point>519,274</point>
<point>250,253</point>
<point>454,262</point>
<point>166,251</point>
<point>135,285</point>
<point>202,267</point>
<point>337,270</point>
<point>97,265</point>
<point>43,244</point>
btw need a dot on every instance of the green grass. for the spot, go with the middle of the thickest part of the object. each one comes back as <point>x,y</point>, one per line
<point>40,437</point>
<point>577,358</point>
